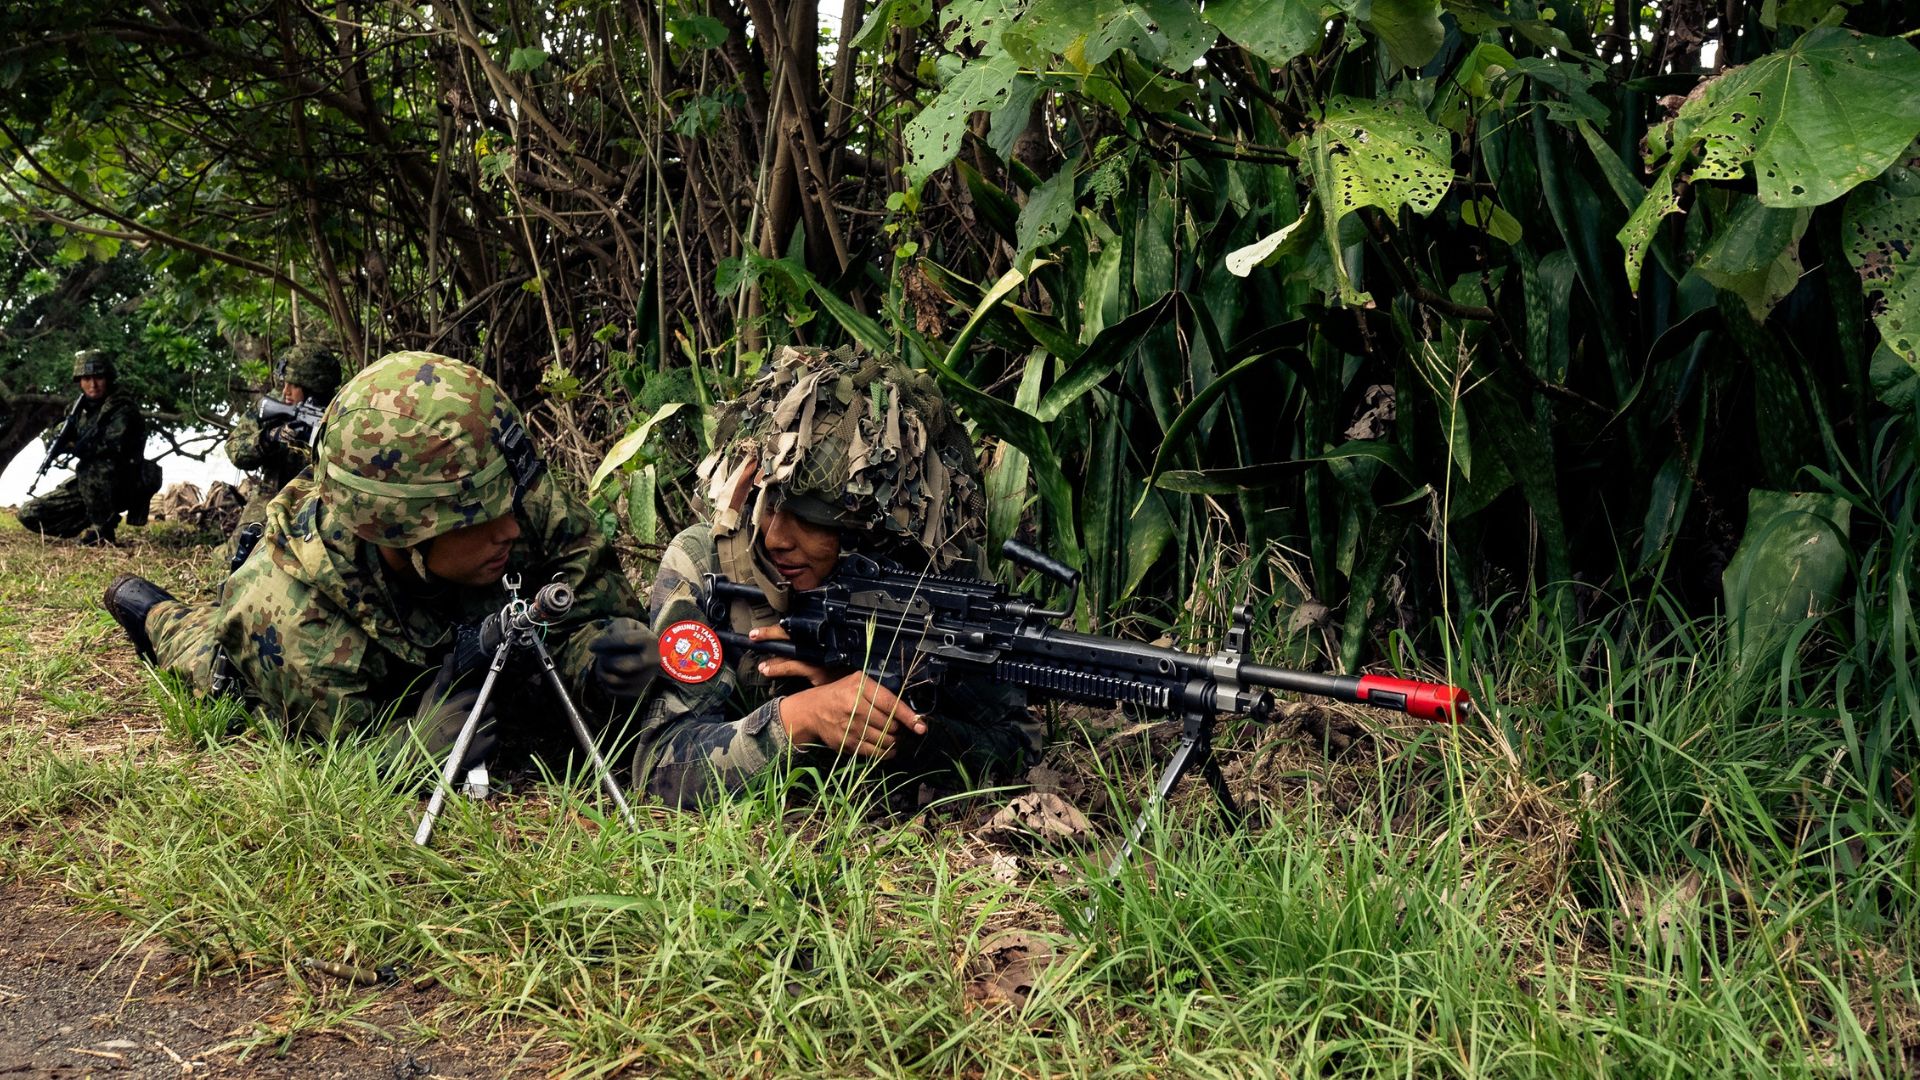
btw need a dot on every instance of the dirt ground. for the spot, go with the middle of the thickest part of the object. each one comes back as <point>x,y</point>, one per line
<point>74,1004</point>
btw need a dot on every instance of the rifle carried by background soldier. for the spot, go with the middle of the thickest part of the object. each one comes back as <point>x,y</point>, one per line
<point>908,630</point>
<point>297,421</point>
<point>62,444</point>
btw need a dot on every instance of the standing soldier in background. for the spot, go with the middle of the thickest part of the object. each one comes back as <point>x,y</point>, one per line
<point>110,471</point>
<point>280,449</point>
<point>826,452</point>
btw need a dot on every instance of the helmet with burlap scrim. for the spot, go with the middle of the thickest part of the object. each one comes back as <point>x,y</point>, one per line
<point>861,443</point>
<point>418,445</point>
<point>311,366</point>
<point>92,362</point>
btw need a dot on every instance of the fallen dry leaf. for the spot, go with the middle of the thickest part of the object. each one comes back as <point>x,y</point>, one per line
<point>1039,815</point>
<point>1006,968</point>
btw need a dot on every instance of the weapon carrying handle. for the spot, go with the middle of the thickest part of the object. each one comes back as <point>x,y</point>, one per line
<point>1022,555</point>
<point>1045,564</point>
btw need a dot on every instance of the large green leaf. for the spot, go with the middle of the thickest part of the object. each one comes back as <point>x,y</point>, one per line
<point>1756,254</point>
<point>1008,422</point>
<point>1788,568</point>
<point>1375,153</point>
<point>1007,471</point>
<point>1814,121</point>
<point>1089,32</point>
<point>630,444</point>
<point>1882,231</point>
<point>888,14</point>
<point>1274,30</point>
<point>1410,28</point>
<point>934,136</point>
<point>1048,212</point>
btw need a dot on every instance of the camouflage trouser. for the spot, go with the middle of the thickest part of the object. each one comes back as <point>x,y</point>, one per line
<point>183,638</point>
<point>69,509</point>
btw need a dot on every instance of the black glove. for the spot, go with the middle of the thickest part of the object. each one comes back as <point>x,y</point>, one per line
<point>626,657</point>
<point>436,723</point>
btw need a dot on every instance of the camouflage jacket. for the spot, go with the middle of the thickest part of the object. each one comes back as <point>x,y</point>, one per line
<point>330,643</point>
<point>252,447</point>
<point>706,740</point>
<point>111,436</point>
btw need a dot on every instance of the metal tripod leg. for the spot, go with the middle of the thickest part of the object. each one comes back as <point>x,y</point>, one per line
<point>1218,781</point>
<point>1196,748</point>
<point>581,733</point>
<point>457,756</point>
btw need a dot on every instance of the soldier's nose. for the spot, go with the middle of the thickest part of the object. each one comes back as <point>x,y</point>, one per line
<point>506,529</point>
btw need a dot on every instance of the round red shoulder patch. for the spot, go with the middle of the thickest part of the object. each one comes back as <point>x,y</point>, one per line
<point>690,651</point>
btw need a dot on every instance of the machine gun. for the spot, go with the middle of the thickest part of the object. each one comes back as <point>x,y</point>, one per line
<point>516,628</point>
<point>908,630</point>
<point>302,419</point>
<point>62,444</point>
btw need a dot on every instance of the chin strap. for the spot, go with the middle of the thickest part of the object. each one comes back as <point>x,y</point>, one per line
<point>430,583</point>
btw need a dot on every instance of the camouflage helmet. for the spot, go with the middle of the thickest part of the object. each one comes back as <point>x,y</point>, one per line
<point>859,443</point>
<point>418,445</point>
<point>92,362</point>
<point>312,367</point>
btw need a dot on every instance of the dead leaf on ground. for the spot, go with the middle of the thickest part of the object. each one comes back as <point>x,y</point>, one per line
<point>1039,815</point>
<point>1007,967</point>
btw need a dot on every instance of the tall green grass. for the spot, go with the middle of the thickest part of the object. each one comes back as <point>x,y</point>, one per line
<point>1638,861</point>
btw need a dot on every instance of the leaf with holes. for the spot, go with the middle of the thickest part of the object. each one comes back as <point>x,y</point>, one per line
<point>934,136</point>
<point>979,21</point>
<point>1881,233</point>
<point>1274,30</point>
<point>1088,32</point>
<point>1815,121</point>
<point>1382,154</point>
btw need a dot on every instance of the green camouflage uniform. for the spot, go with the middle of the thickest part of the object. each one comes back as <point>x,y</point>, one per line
<point>254,447</point>
<point>110,472</point>
<point>868,448</point>
<point>327,639</point>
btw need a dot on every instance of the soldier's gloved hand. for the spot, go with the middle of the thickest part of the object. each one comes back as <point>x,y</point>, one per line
<point>436,723</point>
<point>626,657</point>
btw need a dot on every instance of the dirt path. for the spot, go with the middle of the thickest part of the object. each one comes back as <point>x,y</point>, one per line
<point>74,1004</point>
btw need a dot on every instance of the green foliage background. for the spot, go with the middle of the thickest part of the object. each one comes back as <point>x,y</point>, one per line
<point>1446,300</point>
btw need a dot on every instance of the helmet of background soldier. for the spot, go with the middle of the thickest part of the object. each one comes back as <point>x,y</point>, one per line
<point>312,367</point>
<point>860,443</point>
<point>92,362</point>
<point>417,445</point>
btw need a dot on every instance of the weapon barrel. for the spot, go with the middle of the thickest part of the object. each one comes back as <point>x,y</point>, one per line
<point>552,602</point>
<point>1438,702</point>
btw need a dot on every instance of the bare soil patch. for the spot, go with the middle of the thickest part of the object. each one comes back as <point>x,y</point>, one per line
<point>74,1002</point>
